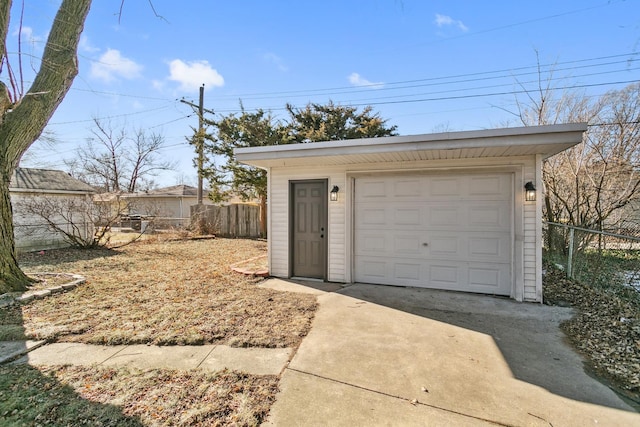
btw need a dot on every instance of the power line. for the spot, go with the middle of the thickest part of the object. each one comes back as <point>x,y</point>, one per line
<point>490,86</point>
<point>110,117</point>
<point>515,92</point>
<point>455,78</point>
<point>365,102</point>
<point>451,79</point>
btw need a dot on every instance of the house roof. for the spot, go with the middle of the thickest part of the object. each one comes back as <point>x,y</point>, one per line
<point>506,142</point>
<point>173,191</point>
<point>46,181</point>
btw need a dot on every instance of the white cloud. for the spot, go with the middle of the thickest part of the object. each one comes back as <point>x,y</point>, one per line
<point>27,36</point>
<point>192,75</point>
<point>447,21</point>
<point>112,65</point>
<point>275,59</point>
<point>86,46</point>
<point>25,32</point>
<point>357,80</point>
<point>157,84</point>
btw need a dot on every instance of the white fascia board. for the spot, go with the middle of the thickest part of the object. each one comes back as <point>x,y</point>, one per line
<point>551,136</point>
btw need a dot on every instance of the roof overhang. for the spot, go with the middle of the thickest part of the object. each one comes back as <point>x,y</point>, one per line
<point>506,142</point>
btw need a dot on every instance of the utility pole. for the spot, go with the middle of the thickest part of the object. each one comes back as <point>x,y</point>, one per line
<point>200,138</point>
<point>200,142</point>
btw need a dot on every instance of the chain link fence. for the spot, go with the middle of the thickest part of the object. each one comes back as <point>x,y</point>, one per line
<point>609,260</point>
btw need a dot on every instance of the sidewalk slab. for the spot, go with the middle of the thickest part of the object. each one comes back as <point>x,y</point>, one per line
<point>143,356</point>
<point>259,361</point>
<point>10,350</point>
<point>70,354</point>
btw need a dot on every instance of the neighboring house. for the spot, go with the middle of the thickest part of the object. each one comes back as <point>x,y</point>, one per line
<point>625,221</point>
<point>445,211</point>
<point>171,205</point>
<point>29,186</point>
<point>111,204</point>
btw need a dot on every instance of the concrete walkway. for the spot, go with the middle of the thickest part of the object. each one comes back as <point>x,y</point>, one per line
<point>396,356</point>
<point>259,361</point>
<point>380,355</point>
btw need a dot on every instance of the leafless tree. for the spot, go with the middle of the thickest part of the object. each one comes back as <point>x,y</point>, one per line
<point>75,220</point>
<point>24,115</point>
<point>117,160</point>
<point>593,184</point>
<point>78,221</point>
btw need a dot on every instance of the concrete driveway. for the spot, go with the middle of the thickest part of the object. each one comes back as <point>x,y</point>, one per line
<point>379,355</point>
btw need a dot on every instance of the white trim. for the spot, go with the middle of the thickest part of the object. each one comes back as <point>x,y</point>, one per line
<point>269,218</point>
<point>547,140</point>
<point>539,186</point>
<point>517,248</point>
<point>516,218</point>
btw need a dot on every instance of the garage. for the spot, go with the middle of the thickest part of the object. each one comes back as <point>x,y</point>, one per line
<point>440,231</point>
<point>459,211</point>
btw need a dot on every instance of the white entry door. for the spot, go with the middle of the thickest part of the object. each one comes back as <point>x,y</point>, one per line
<point>441,231</point>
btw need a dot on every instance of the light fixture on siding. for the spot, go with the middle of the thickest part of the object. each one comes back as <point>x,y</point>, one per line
<point>529,192</point>
<point>333,196</point>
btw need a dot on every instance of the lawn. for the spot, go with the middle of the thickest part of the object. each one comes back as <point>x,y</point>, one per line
<point>165,292</point>
<point>162,292</point>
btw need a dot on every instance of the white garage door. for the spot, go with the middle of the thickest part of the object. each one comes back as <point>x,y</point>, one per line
<point>436,231</point>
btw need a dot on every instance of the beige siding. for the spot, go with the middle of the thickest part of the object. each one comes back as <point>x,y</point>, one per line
<point>279,219</point>
<point>168,207</point>
<point>32,233</point>
<point>527,241</point>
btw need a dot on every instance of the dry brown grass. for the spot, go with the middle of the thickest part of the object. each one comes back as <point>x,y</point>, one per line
<point>160,292</point>
<point>165,292</point>
<point>101,396</point>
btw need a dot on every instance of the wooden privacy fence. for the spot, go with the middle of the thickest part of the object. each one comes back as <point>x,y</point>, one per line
<point>236,220</point>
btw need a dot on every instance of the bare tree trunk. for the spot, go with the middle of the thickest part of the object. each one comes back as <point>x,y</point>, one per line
<point>25,119</point>
<point>263,216</point>
<point>11,277</point>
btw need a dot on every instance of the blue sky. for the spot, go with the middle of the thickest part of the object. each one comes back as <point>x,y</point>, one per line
<point>425,66</point>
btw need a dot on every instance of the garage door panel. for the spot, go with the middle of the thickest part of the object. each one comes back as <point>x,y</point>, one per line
<point>408,216</point>
<point>373,217</point>
<point>447,232</point>
<point>450,187</point>
<point>407,244</point>
<point>487,186</point>
<point>443,216</point>
<point>373,270</point>
<point>445,276</point>
<point>407,271</point>
<point>372,189</point>
<point>486,247</point>
<point>372,244</point>
<point>484,279</point>
<point>435,245</point>
<point>495,214</point>
<point>386,244</point>
<point>444,246</point>
<point>407,188</point>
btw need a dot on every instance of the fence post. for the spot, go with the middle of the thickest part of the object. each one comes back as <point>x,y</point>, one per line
<point>570,257</point>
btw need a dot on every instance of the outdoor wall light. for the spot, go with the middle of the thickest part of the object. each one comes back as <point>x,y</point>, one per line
<point>529,192</point>
<point>333,196</point>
